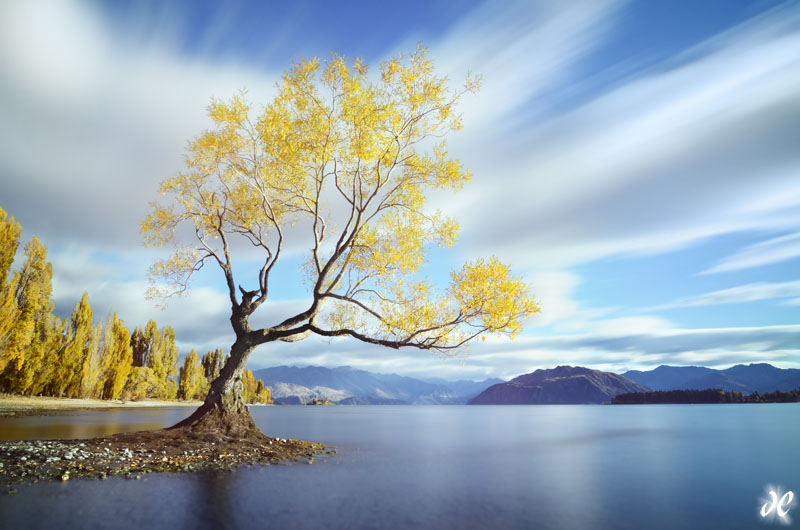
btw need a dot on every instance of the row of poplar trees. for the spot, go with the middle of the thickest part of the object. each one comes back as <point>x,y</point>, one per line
<point>43,354</point>
<point>196,376</point>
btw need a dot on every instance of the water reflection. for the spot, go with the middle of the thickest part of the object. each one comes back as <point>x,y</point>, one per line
<point>654,467</point>
<point>214,495</point>
<point>87,424</point>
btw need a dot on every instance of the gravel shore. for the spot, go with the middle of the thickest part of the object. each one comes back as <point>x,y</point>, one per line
<point>132,454</point>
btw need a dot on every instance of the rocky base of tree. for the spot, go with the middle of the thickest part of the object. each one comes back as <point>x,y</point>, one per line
<point>133,455</point>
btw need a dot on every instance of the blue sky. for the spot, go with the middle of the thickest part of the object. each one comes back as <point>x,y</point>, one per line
<point>637,162</point>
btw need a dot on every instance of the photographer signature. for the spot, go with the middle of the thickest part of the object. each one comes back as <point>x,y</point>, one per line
<point>777,505</point>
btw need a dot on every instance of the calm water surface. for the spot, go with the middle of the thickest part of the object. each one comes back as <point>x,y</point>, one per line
<point>544,467</point>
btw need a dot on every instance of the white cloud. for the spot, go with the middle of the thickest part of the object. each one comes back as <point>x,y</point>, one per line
<point>660,162</point>
<point>703,146</point>
<point>767,252</point>
<point>628,347</point>
<point>91,124</point>
<point>752,292</point>
<point>521,50</point>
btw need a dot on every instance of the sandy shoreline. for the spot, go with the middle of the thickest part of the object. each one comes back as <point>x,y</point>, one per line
<point>11,405</point>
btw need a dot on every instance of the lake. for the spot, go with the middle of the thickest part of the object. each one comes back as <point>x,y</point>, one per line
<point>459,467</point>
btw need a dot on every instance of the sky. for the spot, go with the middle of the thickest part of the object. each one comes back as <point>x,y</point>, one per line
<point>638,163</point>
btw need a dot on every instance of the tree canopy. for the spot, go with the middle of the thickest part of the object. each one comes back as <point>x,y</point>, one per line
<point>345,162</point>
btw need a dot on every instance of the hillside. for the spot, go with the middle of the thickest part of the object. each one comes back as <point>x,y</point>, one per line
<point>561,385</point>
<point>747,379</point>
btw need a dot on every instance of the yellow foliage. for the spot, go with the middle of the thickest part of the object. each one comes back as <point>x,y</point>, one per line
<point>10,230</point>
<point>347,160</point>
<point>30,289</point>
<point>117,357</point>
<point>487,292</point>
<point>192,384</point>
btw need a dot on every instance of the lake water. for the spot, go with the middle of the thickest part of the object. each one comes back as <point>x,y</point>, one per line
<point>459,467</point>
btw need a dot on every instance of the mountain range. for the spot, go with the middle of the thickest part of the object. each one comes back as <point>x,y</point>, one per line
<point>746,379</point>
<point>561,385</point>
<point>346,385</point>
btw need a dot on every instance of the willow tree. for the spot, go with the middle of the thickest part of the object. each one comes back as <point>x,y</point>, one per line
<point>344,163</point>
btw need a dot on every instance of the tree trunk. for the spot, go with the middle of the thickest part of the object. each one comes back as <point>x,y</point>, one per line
<point>224,411</point>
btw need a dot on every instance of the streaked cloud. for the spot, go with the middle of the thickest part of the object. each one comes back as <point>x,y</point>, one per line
<point>91,123</point>
<point>603,349</point>
<point>671,155</point>
<point>737,295</point>
<point>700,147</point>
<point>774,250</point>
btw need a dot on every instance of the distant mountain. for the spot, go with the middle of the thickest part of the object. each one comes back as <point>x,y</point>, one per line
<point>371,401</point>
<point>668,377</point>
<point>747,379</point>
<point>561,385</point>
<point>347,385</point>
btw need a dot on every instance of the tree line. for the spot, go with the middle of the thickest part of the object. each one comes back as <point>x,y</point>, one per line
<point>710,395</point>
<point>42,354</point>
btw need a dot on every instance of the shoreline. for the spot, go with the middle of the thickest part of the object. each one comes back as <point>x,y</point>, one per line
<point>132,454</point>
<point>13,405</point>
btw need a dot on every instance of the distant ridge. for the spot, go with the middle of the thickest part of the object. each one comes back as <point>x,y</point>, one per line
<point>762,377</point>
<point>349,386</point>
<point>561,385</point>
<point>557,386</point>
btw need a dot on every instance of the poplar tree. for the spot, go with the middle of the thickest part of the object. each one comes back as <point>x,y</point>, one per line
<point>139,346</point>
<point>263,394</point>
<point>91,369</point>
<point>38,356</point>
<point>163,355</point>
<point>255,391</point>
<point>10,231</point>
<point>191,378</point>
<point>212,363</point>
<point>31,296</point>
<point>117,357</point>
<point>250,386</point>
<point>75,354</point>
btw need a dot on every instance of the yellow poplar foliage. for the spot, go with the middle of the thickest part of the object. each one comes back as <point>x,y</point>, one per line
<point>51,346</point>
<point>117,357</point>
<point>155,349</point>
<point>142,383</point>
<point>212,364</point>
<point>10,230</point>
<point>163,353</point>
<point>91,368</point>
<point>75,355</point>
<point>192,383</point>
<point>41,354</point>
<point>342,162</point>
<point>254,391</point>
<point>263,394</point>
<point>31,297</point>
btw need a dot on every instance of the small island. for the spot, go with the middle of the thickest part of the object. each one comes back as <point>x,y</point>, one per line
<point>321,401</point>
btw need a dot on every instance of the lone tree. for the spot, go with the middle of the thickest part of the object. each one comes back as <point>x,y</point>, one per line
<point>343,163</point>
